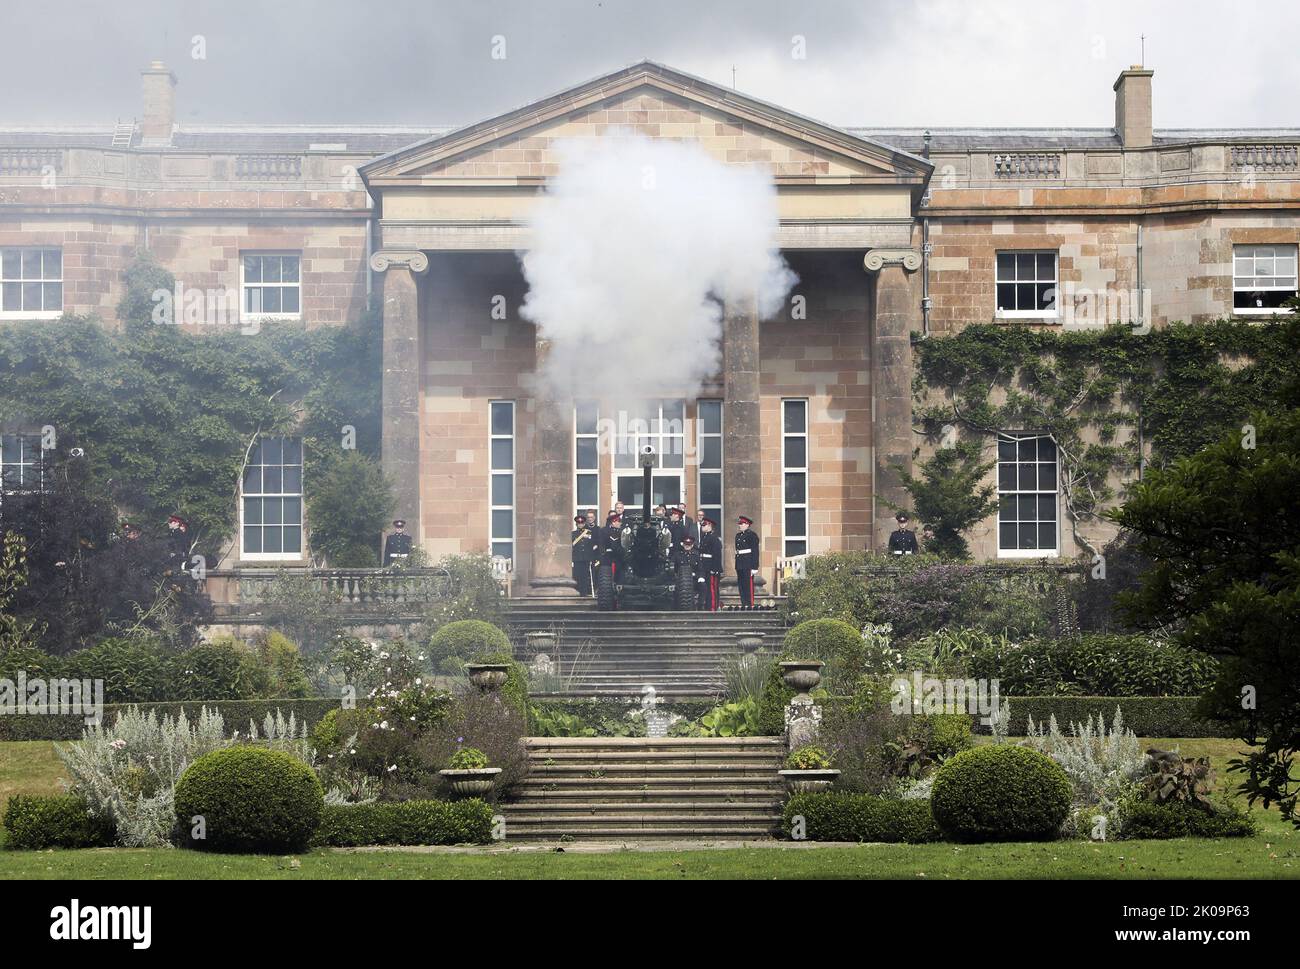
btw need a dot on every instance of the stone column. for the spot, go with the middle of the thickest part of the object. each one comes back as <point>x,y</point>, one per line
<point>401,381</point>
<point>552,467</point>
<point>897,310</point>
<point>741,444</point>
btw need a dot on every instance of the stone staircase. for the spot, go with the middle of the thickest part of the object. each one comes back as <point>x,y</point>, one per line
<point>617,654</point>
<point>635,788</point>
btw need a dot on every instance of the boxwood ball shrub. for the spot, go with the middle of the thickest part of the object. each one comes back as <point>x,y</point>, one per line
<point>251,800</point>
<point>1000,792</point>
<point>452,645</point>
<point>836,643</point>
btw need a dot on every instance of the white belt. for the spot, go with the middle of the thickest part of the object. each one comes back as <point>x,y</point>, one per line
<point>743,551</point>
<point>707,555</point>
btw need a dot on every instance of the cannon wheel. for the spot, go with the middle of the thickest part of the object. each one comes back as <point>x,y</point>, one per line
<point>684,588</point>
<point>604,587</point>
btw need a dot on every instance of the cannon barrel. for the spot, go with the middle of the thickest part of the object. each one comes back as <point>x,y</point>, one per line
<point>645,494</point>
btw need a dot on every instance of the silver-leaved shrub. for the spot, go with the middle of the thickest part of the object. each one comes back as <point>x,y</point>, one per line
<point>128,771</point>
<point>1104,765</point>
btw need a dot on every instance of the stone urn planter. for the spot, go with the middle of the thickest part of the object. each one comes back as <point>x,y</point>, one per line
<point>802,676</point>
<point>749,642</point>
<point>473,782</point>
<point>487,676</point>
<point>540,641</point>
<point>808,781</point>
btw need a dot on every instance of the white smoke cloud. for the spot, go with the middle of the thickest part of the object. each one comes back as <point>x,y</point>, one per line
<point>632,247</point>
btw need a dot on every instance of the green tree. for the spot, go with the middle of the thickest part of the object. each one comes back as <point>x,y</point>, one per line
<point>1222,530</point>
<point>951,495</point>
<point>143,278</point>
<point>348,505</point>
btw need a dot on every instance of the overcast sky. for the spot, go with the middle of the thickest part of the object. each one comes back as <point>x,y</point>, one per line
<point>870,62</point>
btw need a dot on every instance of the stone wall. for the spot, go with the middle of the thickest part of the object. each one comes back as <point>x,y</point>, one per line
<point>825,358</point>
<point>470,359</point>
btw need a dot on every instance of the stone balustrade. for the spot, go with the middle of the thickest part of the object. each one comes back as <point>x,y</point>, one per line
<point>268,167</point>
<point>1027,165</point>
<point>353,590</point>
<point>1264,157</point>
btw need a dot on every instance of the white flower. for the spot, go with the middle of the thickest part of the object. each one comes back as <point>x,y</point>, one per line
<point>384,725</point>
<point>393,768</point>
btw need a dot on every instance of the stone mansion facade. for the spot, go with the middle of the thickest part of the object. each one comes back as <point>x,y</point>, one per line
<point>895,234</point>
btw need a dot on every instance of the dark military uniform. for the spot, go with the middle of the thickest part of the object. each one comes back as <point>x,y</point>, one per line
<point>711,569</point>
<point>903,542</point>
<point>397,548</point>
<point>585,552</point>
<point>746,564</point>
<point>178,544</point>
<point>610,546</point>
<point>677,531</point>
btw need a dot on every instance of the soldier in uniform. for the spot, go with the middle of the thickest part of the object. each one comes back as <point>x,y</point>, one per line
<point>397,547</point>
<point>746,561</point>
<point>178,543</point>
<point>710,565</point>
<point>584,553</point>
<point>690,555</point>
<point>675,528</point>
<point>611,543</point>
<point>903,540</point>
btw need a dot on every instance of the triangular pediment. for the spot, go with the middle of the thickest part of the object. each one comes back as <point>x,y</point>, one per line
<point>657,102</point>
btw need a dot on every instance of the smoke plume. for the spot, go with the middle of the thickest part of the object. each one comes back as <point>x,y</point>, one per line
<point>634,248</point>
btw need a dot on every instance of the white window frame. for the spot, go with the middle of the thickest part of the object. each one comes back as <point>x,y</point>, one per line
<point>244,286</point>
<point>700,468</point>
<point>796,469</point>
<point>28,444</point>
<point>659,438</point>
<point>21,280</point>
<point>1034,314</point>
<point>579,472</point>
<point>1026,553</point>
<point>493,473</point>
<point>1254,252</point>
<point>300,494</point>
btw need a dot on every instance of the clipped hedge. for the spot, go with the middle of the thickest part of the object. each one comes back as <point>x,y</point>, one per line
<point>1149,820</point>
<point>36,822</point>
<point>405,823</point>
<point>838,816</point>
<point>237,713</point>
<point>1000,793</point>
<point>1146,716</point>
<point>1096,664</point>
<point>251,799</point>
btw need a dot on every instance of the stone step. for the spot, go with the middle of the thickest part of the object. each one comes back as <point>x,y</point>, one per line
<point>655,743</point>
<point>583,810</point>
<point>594,827</point>
<point>621,789</point>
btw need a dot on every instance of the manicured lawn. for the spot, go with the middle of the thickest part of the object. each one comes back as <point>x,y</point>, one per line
<point>29,767</point>
<point>1233,858</point>
<point>1273,853</point>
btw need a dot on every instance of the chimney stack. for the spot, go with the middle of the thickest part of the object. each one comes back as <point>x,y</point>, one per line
<point>1133,107</point>
<point>159,104</point>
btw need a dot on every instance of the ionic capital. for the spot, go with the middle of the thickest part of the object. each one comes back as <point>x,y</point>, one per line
<point>412,259</point>
<point>877,259</point>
